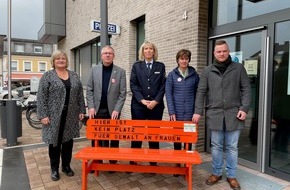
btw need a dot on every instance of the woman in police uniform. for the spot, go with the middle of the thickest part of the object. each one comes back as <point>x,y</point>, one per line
<point>147,84</point>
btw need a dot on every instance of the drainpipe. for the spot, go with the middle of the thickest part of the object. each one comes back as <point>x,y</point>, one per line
<point>104,23</point>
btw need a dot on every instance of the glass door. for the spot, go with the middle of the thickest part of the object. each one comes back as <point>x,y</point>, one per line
<point>248,49</point>
<point>279,154</point>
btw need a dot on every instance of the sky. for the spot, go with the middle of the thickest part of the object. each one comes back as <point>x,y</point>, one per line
<point>26,18</point>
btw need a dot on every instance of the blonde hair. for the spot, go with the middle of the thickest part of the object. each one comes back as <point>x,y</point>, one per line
<point>57,54</point>
<point>141,50</point>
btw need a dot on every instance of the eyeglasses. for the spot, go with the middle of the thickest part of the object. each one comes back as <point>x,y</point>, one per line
<point>108,53</point>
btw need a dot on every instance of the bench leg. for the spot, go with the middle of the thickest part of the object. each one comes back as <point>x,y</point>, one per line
<point>189,177</point>
<point>84,175</point>
<point>95,163</point>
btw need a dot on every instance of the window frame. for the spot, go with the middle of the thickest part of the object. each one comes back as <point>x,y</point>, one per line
<point>38,47</point>
<point>19,48</point>
<point>24,66</point>
<point>45,66</point>
<point>17,65</point>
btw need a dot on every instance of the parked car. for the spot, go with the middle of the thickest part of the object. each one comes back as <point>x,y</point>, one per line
<point>22,91</point>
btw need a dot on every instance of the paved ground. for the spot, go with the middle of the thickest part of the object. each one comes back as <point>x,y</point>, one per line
<point>26,166</point>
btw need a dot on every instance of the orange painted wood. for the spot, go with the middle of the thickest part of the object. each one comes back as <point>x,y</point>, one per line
<point>142,130</point>
<point>139,155</point>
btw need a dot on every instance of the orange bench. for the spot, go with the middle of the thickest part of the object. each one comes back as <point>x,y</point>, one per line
<point>139,130</point>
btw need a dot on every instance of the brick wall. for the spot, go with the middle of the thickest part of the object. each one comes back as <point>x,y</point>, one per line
<point>164,25</point>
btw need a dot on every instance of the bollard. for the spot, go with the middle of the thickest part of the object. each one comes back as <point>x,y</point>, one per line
<point>14,122</point>
<point>3,119</point>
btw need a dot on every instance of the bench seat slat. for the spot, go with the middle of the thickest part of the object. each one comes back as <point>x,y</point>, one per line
<point>139,155</point>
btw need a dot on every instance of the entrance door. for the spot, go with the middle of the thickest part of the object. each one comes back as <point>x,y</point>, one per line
<point>279,153</point>
<point>248,49</point>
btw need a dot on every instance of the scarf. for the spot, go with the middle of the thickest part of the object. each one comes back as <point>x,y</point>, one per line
<point>222,66</point>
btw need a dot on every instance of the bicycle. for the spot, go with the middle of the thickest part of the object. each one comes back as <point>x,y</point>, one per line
<point>30,105</point>
<point>31,116</point>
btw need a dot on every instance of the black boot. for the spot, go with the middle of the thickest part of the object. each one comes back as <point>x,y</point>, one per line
<point>54,175</point>
<point>68,171</point>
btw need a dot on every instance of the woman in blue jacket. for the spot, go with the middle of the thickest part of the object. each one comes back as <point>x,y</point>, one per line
<point>180,89</point>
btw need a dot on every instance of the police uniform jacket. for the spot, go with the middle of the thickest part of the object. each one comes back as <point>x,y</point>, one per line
<point>148,86</point>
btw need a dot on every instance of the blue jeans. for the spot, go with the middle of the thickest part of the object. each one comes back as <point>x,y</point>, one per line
<point>230,139</point>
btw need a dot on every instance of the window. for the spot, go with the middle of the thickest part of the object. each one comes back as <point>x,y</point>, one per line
<point>38,49</point>
<point>27,66</point>
<point>19,48</point>
<point>140,35</point>
<point>227,11</point>
<point>14,65</point>
<point>96,52</point>
<point>42,66</point>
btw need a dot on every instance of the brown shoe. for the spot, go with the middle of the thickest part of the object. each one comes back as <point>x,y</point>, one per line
<point>213,179</point>
<point>234,184</point>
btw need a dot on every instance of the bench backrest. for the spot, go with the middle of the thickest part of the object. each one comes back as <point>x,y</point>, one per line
<point>142,130</point>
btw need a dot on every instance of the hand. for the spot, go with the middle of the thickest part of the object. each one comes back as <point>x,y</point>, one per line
<point>151,104</point>
<point>92,113</point>
<point>144,102</point>
<point>241,115</point>
<point>115,115</point>
<point>45,121</point>
<point>274,122</point>
<point>196,118</point>
<point>81,116</point>
<point>172,117</point>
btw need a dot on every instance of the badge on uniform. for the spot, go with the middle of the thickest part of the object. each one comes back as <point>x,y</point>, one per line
<point>156,72</point>
<point>113,81</point>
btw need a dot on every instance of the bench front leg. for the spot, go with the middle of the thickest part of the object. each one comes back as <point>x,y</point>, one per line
<point>85,171</point>
<point>189,176</point>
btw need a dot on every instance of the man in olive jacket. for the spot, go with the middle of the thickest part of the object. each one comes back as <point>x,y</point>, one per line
<point>227,88</point>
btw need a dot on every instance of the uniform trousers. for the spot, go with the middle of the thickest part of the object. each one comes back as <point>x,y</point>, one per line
<point>143,113</point>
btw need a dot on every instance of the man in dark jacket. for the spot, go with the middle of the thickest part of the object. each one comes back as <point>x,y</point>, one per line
<point>227,87</point>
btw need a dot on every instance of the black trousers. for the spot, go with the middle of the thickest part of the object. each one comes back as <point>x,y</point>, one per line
<point>177,146</point>
<point>282,134</point>
<point>104,114</point>
<point>63,150</point>
<point>139,111</point>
